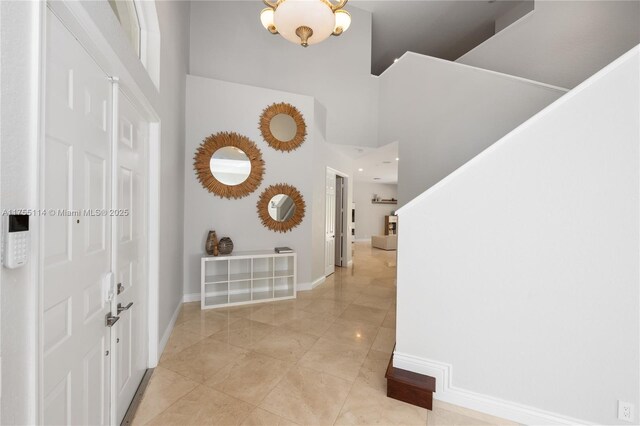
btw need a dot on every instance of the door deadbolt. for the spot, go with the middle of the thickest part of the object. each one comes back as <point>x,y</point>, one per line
<point>110,320</point>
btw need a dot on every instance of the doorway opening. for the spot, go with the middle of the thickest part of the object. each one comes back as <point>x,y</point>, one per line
<point>337,219</point>
<point>340,219</point>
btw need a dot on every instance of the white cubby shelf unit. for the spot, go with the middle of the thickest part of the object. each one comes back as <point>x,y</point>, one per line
<point>247,277</point>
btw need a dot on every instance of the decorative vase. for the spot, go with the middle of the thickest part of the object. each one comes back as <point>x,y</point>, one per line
<point>212,244</point>
<point>225,245</point>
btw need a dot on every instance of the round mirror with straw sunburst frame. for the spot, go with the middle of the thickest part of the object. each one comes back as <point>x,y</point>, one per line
<point>231,158</point>
<point>288,221</point>
<point>283,127</point>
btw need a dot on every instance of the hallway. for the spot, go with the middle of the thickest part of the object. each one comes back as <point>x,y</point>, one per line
<point>317,360</point>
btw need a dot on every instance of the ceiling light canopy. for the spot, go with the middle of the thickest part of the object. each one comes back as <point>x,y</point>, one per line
<point>305,21</point>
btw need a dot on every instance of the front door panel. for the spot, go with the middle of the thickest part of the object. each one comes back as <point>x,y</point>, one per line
<point>131,264</point>
<point>76,246</point>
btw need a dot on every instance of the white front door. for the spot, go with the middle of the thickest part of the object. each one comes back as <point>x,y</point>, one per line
<point>77,248</point>
<point>131,253</point>
<point>330,224</point>
<point>95,235</point>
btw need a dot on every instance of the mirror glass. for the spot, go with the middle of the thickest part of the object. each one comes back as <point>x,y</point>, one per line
<point>281,207</point>
<point>283,127</point>
<point>230,165</point>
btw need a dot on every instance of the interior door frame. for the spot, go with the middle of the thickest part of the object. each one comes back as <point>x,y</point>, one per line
<point>340,225</point>
<point>345,214</point>
<point>73,15</point>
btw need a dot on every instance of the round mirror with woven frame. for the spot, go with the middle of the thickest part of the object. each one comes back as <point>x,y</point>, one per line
<point>289,199</point>
<point>229,165</point>
<point>283,127</point>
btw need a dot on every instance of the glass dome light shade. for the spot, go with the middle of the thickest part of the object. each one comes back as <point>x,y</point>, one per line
<point>315,14</point>
<point>343,20</point>
<point>266,17</point>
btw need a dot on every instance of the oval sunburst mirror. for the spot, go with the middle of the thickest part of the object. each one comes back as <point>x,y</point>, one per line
<point>283,126</point>
<point>229,165</point>
<point>281,207</point>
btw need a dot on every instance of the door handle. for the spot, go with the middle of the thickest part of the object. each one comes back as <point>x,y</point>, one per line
<point>110,320</point>
<point>124,308</point>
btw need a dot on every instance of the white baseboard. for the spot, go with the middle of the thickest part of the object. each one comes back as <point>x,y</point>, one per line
<point>311,285</point>
<point>445,391</point>
<point>167,332</point>
<point>193,297</point>
<point>349,263</point>
<point>317,282</point>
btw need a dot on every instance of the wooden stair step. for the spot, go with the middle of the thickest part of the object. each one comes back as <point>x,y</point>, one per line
<point>407,386</point>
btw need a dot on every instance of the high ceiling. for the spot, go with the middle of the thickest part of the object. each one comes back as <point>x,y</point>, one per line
<point>373,164</point>
<point>444,29</point>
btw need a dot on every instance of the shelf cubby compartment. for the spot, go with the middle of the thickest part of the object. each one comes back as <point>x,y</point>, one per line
<point>262,289</point>
<point>240,276</point>
<point>247,277</point>
<point>284,287</point>
<point>216,294</point>
<point>216,272</point>
<point>284,266</point>
<point>240,291</point>
<point>238,268</point>
<point>262,268</point>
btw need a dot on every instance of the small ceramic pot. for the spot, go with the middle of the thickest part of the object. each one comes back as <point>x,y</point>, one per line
<point>225,245</point>
<point>211,246</point>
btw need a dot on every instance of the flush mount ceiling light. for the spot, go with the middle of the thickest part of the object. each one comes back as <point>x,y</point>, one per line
<point>305,21</point>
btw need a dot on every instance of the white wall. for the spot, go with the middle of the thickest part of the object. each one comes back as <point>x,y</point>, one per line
<point>444,113</point>
<point>228,43</point>
<point>19,32</point>
<point>214,106</point>
<point>19,155</point>
<point>513,14</point>
<point>518,274</point>
<point>174,26</point>
<point>370,217</point>
<point>561,42</point>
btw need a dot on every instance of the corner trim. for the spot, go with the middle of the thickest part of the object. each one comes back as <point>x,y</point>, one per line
<point>167,332</point>
<point>311,285</point>
<point>191,297</point>
<point>317,282</point>
<point>445,391</point>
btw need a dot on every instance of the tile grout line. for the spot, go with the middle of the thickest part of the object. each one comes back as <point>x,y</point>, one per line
<point>339,288</point>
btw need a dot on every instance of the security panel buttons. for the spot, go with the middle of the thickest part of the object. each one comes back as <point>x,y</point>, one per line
<point>16,249</point>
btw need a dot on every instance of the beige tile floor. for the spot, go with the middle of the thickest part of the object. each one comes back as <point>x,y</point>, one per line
<point>316,360</point>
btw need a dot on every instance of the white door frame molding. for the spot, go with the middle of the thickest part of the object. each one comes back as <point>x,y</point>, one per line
<point>80,24</point>
<point>345,215</point>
